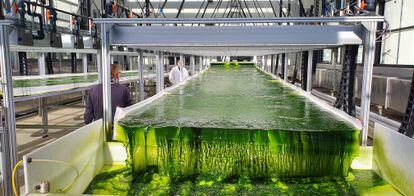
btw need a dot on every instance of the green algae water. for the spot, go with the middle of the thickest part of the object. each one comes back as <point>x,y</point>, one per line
<point>234,125</point>
<point>117,180</point>
<point>22,83</point>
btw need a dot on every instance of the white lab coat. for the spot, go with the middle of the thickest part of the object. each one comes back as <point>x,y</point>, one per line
<point>177,75</point>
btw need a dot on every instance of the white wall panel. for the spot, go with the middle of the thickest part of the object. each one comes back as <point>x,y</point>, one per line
<point>393,13</point>
<point>406,48</point>
<point>408,13</point>
<point>390,49</point>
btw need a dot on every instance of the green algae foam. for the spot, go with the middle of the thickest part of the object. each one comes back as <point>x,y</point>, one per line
<point>235,122</point>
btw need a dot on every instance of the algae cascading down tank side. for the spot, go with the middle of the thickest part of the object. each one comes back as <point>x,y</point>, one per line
<point>235,121</point>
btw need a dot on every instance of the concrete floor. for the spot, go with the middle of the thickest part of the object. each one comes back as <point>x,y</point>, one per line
<point>31,139</point>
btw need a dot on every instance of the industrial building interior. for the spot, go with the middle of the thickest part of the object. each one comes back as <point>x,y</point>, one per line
<point>282,97</point>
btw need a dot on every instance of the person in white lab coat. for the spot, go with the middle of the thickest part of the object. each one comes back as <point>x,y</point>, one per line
<point>178,73</point>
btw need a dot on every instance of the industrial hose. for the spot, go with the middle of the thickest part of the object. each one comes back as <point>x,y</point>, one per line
<point>44,160</point>
<point>13,177</point>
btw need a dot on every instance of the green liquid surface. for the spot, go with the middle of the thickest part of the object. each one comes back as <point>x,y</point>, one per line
<point>118,180</point>
<point>62,80</point>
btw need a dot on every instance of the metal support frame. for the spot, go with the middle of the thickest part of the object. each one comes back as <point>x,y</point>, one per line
<point>141,76</point>
<point>274,64</point>
<point>44,115</point>
<point>358,30</point>
<point>201,63</point>
<point>182,59</point>
<point>41,63</point>
<point>160,71</point>
<point>106,80</point>
<point>131,62</point>
<point>85,63</point>
<point>192,64</point>
<point>8,139</point>
<point>369,53</point>
<point>99,66</point>
<point>286,67</point>
<point>309,70</point>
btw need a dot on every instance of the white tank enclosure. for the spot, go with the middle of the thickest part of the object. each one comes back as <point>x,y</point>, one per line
<point>206,97</point>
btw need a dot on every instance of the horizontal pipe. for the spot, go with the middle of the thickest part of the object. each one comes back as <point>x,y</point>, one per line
<point>354,19</point>
<point>48,126</point>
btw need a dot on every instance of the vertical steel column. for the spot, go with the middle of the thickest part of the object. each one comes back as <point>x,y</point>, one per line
<point>334,59</point>
<point>141,76</point>
<point>274,64</point>
<point>265,63</point>
<point>309,70</point>
<point>192,64</point>
<point>163,70</point>
<point>131,62</point>
<point>8,139</point>
<point>106,80</point>
<point>160,71</point>
<point>112,59</point>
<point>41,63</point>
<point>201,63</point>
<point>182,59</point>
<point>99,65</point>
<point>369,53</point>
<point>175,59</point>
<point>44,114</point>
<point>85,63</point>
<point>285,73</point>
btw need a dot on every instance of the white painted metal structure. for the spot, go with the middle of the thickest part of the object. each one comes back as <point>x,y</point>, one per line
<point>257,40</point>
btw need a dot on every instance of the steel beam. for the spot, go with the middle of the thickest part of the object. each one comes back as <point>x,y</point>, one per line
<point>41,63</point>
<point>369,53</point>
<point>192,64</point>
<point>141,76</point>
<point>285,73</point>
<point>240,36</point>
<point>309,70</point>
<point>160,71</point>
<point>312,20</point>
<point>106,81</point>
<point>85,63</point>
<point>8,137</point>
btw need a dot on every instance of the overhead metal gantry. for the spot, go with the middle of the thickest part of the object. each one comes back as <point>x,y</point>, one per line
<point>242,36</point>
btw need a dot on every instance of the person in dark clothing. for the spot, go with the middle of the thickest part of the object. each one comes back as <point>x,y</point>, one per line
<point>120,94</point>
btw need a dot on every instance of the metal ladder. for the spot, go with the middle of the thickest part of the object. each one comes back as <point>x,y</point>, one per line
<point>407,125</point>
